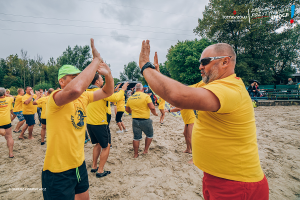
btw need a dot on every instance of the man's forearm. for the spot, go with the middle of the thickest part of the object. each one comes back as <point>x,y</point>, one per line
<point>108,88</point>
<point>28,100</point>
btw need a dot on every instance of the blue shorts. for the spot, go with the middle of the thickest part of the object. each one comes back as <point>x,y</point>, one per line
<point>142,125</point>
<point>19,115</point>
<point>29,119</point>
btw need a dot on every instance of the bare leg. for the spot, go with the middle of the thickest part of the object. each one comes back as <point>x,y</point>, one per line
<point>136,144</point>
<point>43,133</point>
<point>30,129</point>
<point>147,144</point>
<point>123,125</point>
<point>83,196</point>
<point>20,123</point>
<point>21,136</point>
<point>96,154</point>
<point>103,158</point>
<point>162,115</point>
<point>10,141</point>
<point>13,116</point>
<point>189,137</point>
<point>120,125</point>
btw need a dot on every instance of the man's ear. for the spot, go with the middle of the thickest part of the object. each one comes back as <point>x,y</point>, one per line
<point>61,81</point>
<point>226,62</point>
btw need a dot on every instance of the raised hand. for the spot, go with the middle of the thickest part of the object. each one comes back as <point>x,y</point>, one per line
<point>156,62</point>
<point>124,87</point>
<point>103,69</point>
<point>145,52</point>
<point>95,53</point>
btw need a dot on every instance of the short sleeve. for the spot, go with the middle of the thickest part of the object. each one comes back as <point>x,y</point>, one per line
<point>148,99</point>
<point>127,104</point>
<point>51,103</point>
<point>40,100</point>
<point>89,96</point>
<point>229,97</point>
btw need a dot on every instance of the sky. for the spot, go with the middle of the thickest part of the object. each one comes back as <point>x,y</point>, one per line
<point>47,28</point>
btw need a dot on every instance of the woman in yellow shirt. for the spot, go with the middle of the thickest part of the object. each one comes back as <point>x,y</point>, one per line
<point>161,107</point>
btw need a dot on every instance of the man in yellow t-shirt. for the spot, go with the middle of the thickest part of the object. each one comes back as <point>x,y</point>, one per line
<point>97,126</point>
<point>42,103</point>
<point>18,110</point>
<point>13,116</point>
<point>120,112</point>
<point>5,120</point>
<point>64,173</point>
<point>28,112</point>
<point>139,105</point>
<point>188,117</point>
<point>224,135</point>
<point>161,107</point>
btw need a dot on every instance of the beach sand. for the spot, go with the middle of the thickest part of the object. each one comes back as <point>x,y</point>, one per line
<point>164,173</point>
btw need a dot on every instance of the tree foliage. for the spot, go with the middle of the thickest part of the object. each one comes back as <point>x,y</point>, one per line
<point>266,47</point>
<point>131,72</point>
<point>183,60</point>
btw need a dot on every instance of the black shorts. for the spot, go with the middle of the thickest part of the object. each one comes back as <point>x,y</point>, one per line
<point>99,134</point>
<point>65,185</point>
<point>119,116</point>
<point>7,126</point>
<point>108,118</point>
<point>29,119</point>
<point>43,121</point>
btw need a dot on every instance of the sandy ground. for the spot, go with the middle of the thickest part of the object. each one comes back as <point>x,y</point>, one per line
<point>164,173</point>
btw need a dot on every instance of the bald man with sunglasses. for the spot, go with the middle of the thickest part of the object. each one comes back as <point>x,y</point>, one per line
<point>224,134</point>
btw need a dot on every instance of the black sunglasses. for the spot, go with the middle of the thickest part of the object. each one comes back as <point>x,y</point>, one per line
<point>207,60</point>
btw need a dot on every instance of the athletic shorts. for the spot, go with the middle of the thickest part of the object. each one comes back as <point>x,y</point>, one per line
<point>19,115</point>
<point>119,116</point>
<point>64,185</point>
<point>108,118</point>
<point>29,119</point>
<point>219,188</point>
<point>99,134</point>
<point>43,121</point>
<point>7,126</point>
<point>142,125</point>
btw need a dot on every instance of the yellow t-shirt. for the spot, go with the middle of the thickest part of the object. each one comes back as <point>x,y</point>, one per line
<point>224,142</point>
<point>5,104</point>
<point>96,111</point>
<point>42,103</point>
<point>138,103</point>
<point>28,109</point>
<point>121,103</point>
<point>18,104</point>
<point>115,98</point>
<point>162,103</point>
<point>66,133</point>
<point>188,116</point>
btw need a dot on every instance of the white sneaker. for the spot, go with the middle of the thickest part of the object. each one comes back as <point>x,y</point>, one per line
<point>126,130</point>
<point>119,131</point>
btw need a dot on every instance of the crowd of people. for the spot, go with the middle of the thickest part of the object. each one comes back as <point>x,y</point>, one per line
<point>221,135</point>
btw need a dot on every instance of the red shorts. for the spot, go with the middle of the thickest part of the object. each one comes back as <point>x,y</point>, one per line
<point>215,188</point>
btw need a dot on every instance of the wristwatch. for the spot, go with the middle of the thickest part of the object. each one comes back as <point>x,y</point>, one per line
<point>147,65</point>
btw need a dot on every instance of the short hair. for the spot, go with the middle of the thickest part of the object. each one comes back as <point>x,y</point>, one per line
<point>96,77</point>
<point>19,90</point>
<point>2,91</point>
<point>26,87</point>
<point>41,89</point>
<point>50,90</point>
<point>138,86</point>
<point>224,49</point>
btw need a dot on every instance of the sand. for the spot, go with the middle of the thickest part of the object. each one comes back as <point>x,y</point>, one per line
<point>164,173</point>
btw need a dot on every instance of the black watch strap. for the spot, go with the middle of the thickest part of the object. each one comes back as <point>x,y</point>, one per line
<point>147,65</point>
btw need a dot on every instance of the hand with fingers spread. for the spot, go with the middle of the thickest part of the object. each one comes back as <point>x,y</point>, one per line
<point>124,87</point>
<point>95,53</point>
<point>103,69</point>
<point>156,62</point>
<point>144,55</point>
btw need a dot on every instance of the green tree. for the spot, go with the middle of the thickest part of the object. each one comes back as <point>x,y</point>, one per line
<point>10,80</point>
<point>164,70</point>
<point>131,72</point>
<point>43,86</point>
<point>260,45</point>
<point>116,80</point>
<point>79,56</point>
<point>183,60</point>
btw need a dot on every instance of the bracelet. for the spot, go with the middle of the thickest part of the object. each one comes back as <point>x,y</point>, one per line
<point>147,65</point>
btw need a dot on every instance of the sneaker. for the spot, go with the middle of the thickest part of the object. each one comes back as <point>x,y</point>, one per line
<point>119,131</point>
<point>126,130</point>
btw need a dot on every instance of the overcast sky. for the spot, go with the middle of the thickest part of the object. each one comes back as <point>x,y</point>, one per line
<point>47,28</point>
